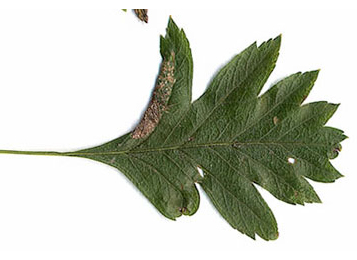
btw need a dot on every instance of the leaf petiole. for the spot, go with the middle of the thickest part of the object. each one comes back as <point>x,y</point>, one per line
<point>35,153</point>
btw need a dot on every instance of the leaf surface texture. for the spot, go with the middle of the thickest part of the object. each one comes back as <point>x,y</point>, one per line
<point>239,137</point>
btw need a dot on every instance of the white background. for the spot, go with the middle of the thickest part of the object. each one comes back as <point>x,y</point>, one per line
<point>77,75</point>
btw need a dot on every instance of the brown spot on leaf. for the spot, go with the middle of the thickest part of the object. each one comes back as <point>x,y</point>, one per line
<point>159,99</point>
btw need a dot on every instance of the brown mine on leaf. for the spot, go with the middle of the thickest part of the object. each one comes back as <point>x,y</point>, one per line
<point>159,99</point>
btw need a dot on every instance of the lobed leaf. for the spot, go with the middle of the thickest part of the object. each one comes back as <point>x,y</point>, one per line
<point>238,137</point>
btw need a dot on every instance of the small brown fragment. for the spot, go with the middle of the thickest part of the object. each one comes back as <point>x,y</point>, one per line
<point>159,99</point>
<point>142,14</point>
<point>275,120</point>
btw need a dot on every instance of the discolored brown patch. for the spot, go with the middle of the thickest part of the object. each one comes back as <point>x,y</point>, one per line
<point>159,99</point>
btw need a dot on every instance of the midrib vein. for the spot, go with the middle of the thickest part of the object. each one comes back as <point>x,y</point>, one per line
<point>184,147</point>
<point>159,149</point>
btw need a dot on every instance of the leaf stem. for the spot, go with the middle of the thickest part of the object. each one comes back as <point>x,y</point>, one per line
<point>33,153</point>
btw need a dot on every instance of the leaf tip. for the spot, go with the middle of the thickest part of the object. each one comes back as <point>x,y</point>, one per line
<point>337,105</point>
<point>314,198</point>
<point>278,38</point>
<point>340,176</point>
<point>334,107</point>
<point>313,74</point>
<point>274,236</point>
<point>276,41</point>
<point>277,235</point>
<point>171,22</point>
<point>318,200</point>
<point>252,236</point>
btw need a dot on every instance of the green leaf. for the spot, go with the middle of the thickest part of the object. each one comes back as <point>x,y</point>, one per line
<point>237,136</point>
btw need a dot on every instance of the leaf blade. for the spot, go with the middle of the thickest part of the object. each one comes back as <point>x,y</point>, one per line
<point>237,136</point>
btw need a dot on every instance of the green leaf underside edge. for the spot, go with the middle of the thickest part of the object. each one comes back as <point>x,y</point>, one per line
<point>238,138</point>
